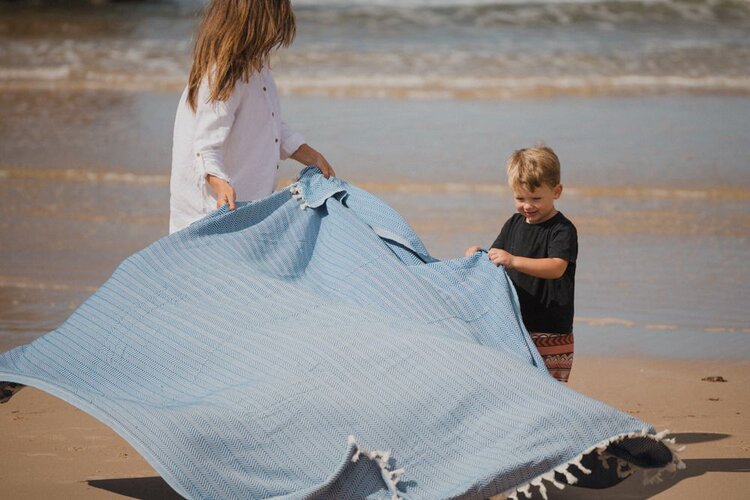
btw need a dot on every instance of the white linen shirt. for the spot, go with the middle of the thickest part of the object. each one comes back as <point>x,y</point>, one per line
<point>240,140</point>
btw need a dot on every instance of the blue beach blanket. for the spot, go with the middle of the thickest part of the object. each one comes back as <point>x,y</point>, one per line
<point>308,346</point>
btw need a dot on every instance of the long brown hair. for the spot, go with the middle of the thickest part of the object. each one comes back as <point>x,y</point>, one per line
<point>234,39</point>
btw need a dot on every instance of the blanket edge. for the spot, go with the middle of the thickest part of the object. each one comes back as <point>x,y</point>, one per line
<point>624,468</point>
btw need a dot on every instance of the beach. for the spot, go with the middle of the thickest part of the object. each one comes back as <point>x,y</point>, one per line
<point>664,231</point>
<point>419,102</point>
<point>51,449</point>
<point>653,317</point>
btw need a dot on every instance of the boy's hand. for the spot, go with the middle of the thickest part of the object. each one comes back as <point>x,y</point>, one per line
<point>501,258</point>
<point>472,250</point>
<point>223,190</point>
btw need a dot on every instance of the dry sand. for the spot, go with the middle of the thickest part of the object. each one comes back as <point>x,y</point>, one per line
<point>49,449</point>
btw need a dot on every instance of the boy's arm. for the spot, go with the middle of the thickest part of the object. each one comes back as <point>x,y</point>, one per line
<point>548,269</point>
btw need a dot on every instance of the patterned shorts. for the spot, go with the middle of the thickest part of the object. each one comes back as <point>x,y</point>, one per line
<point>557,352</point>
<point>7,389</point>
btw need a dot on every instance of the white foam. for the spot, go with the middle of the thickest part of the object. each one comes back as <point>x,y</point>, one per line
<point>461,3</point>
<point>44,73</point>
<point>439,86</point>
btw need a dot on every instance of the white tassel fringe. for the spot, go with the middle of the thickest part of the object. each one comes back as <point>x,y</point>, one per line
<point>381,458</point>
<point>624,469</point>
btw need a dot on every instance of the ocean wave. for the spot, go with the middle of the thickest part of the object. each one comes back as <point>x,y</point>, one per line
<point>400,86</point>
<point>436,87</point>
<point>522,12</point>
<point>83,175</point>
<point>362,56</point>
<point>29,283</point>
<point>413,70</point>
<point>525,57</point>
<point>181,14</point>
<point>50,73</point>
<point>363,48</point>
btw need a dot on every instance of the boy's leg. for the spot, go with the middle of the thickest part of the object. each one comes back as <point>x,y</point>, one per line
<point>557,352</point>
<point>7,389</point>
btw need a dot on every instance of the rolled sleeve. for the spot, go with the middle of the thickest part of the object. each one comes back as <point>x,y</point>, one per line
<point>214,121</point>
<point>290,141</point>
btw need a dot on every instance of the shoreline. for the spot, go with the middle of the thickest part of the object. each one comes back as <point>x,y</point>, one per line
<point>50,448</point>
<point>636,192</point>
<point>420,88</point>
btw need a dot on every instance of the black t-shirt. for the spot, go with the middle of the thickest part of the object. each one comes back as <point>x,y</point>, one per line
<point>546,305</point>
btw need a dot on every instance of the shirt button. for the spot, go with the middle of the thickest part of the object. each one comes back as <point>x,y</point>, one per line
<point>276,140</point>
<point>264,89</point>
<point>273,114</point>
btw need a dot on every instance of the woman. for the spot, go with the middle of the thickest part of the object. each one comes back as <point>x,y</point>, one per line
<point>228,133</point>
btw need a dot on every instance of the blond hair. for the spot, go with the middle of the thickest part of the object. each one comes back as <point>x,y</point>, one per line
<point>234,39</point>
<point>532,167</point>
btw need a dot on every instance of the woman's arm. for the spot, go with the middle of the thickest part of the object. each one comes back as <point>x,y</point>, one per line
<point>472,250</point>
<point>213,122</point>
<point>308,156</point>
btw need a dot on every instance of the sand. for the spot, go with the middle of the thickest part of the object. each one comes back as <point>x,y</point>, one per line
<point>49,449</point>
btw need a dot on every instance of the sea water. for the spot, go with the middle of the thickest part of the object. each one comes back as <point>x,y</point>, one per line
<point>646,102</point>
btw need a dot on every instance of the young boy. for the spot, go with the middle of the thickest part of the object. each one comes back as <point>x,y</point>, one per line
<point>538,247</point>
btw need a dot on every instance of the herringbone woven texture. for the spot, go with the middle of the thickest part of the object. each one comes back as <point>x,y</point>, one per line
<point>239,354</point>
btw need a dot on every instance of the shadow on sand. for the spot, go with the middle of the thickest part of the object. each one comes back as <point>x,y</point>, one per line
<point>153,488</point>
<point>144,488</point>
<point>633,487</point>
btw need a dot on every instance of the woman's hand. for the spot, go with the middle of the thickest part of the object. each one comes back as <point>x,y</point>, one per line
<point>472,250</point>
<point>324,166</point>
<point>223,190</point>
<point>309,156</point>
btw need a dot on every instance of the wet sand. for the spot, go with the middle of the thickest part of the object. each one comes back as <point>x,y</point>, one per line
<point>659,188</point>
<point>662,272</point>
<point>657,276</point>
<point>647,107</point>
<point>51,449</point>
